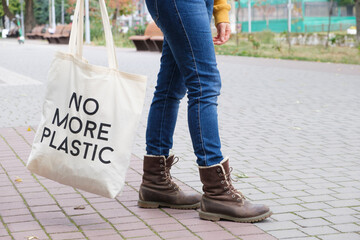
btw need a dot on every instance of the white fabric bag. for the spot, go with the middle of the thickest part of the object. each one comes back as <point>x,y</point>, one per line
<point>89,118</point>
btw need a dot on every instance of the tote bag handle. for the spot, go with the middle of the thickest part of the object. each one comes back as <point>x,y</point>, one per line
<point>77,32</point>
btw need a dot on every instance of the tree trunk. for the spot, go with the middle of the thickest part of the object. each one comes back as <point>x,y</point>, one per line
<point>7,12</point>
<point>328,31</point>
<point>29,16</point>
<point>113,21</point>
<point>357,13</point>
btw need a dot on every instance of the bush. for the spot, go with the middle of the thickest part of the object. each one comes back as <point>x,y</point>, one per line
<point>96,30</point>
<point>120,39</point>
<point>256,44</point>
<point>266,36</point>
<point>138,29</point>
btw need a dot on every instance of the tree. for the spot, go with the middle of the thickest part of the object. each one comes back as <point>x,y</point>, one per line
<point>356,3</point>
<point>114,7</point>
<point>121,7</point>
<point>357,15</point>
<point>29,16</point>
<point>11,10</point>
<point>58,11</point>
<point>329,25</point>
<point>15,8</point>
<point>41,11</point>
<point>266,10</point>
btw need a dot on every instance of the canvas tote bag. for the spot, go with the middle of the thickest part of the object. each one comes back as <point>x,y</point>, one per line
<point>89,117</point>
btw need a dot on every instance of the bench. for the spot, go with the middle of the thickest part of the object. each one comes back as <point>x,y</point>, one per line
<point>36,32</point>
<point>43,33</point>
<point>152,39</point>
<point>60,36</point>
<point>158,41</point>
<point>65,35</point>
<point>13,33</point>
<point>52,38</point>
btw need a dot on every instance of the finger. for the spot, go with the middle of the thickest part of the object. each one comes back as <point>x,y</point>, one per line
<point>216,41</point>
<point>222,32</point>
<point>227,34</point>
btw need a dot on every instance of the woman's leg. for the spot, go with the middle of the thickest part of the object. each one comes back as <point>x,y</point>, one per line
<point>186,27</point>
<point>158,188</point>
<point>164,108</point>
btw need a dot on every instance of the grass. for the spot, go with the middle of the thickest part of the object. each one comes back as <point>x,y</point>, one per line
<point>271,49</point>
<point>120,40</point>
<point>264,45</point>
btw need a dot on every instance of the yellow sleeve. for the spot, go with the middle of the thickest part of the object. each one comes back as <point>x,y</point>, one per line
<point>221,11</point>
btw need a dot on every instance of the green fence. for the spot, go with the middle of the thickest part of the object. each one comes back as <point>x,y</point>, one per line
<point>307,16</point>
<point>301,25</point>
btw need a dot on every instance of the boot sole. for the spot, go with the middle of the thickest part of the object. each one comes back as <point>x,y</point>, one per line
<point>217,217</point>
<point>148,204</point>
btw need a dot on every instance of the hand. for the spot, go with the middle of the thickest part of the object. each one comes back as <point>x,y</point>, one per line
<point>223,33</point>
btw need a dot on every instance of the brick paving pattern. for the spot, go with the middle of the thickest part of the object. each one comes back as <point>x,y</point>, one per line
<point>291,129</point>
<point>33,206</point>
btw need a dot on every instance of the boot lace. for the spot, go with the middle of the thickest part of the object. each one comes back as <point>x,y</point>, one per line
<point>231,188</point>
<point>168,177</point>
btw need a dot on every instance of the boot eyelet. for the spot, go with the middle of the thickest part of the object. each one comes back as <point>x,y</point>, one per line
<point>219,170</point>
<point>225,188</point>
<point>233,196</point>
<point>161,165</point>
<point>170,185</point>
<point>222,181</point>
<point>220,174</point>
<point>228,192</point>
<point>161,161</point>
<point>162,172</point>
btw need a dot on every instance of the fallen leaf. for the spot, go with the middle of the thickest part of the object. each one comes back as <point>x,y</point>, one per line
<point>31,238</point>
<point>18,179</point>
<point>241,175</point>
<point>81,207</point>
<point>297,128</point>
<point>29,129</point>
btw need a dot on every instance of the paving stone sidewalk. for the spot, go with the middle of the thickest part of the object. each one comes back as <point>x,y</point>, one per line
<point>291,129</point>
<point>32,207</point>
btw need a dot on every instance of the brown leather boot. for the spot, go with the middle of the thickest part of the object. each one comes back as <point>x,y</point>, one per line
<point>159,190</point>
<point>222,201</point>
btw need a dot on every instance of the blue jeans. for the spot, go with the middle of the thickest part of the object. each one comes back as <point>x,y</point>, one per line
<point>188,63</point>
